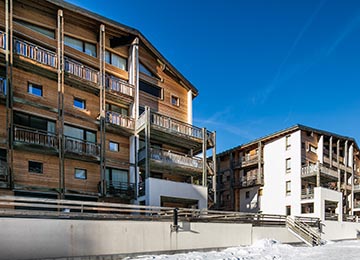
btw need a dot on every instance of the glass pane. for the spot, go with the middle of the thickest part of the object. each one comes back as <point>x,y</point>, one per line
<point>74,132</point>
<point>118,61</point>
<point>73,43</point>
<point>47,32</point>
<point>144,70</point>
<point>107,57</point>
<point>90,136</point>
<point>38,123</point>
<point>79,103</point>
<point>119,175</point>
<point>51,127</point>
<point>80,174</point>
<point>21,119</point>
<point>114,146</point>
<point>35,90</point>
<point>90,49</point>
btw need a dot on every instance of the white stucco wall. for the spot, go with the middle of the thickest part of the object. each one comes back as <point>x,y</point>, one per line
<point>274,199</point>
<point>159,187</point>
<point>320,196</point>
<point>250,204</point>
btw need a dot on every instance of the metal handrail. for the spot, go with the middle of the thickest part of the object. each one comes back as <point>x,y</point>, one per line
<point>117,187</point>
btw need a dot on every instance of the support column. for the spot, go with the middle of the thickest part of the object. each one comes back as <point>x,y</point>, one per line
<point>189,107</point>
<point>318,175</point>
<point>147,142</point>
<point>331,151</point>
<point>351,165</point>
<point>337,159</point>
<point>320,150</point>
<point>346,154</point>
<point>102,87</point>
<point>214,167</point>
<point>204,145</point>
<point>60,121</point>
<point>259,179</point>
<point>9,90</point>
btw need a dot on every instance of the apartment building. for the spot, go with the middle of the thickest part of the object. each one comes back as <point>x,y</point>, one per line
<point>90,110</point>
<point>299,171</point>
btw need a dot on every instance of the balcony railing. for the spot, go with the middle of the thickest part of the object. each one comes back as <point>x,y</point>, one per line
<point>120,188</point>
<point>331,216</point>
<point>248,181</point>
<point>120,120</point>
<point>3,171</point>
<point>2,40</point>
<point>36,53</point>
<point>81,147</point>
<point>314,169</point>
<point>176,126</point>
<point>249,159</point>
<point>81,71</point>
<point>170,157</point>
<point>119,86</point>
<point>34,136</point>
<point>357,188</point>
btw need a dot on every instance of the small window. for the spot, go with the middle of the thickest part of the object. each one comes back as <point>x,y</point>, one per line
<point>35,89</point>
<point>114,147</point>
<point>80,174</point>
<point>287,141</point>
<point>288,188</point>
<point>79,103</point>
<point>35,167</point>
<point>175,101</point>
<point>288,164</point>
<point>247,194</point>
<point>288,210</point>
<point>151,89</point>
<point>307,208</point>
<point>312,148</point>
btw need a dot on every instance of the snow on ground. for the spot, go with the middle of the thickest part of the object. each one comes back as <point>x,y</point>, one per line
<point>272,250</point>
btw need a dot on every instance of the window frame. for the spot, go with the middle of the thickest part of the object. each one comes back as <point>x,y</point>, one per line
<point>161,90</point>
<point>288,188</point>
<point>30,169</point>
<point>80,100</point>
<point>77,176</point>
<point>117,145</point>
<point>110,54</point>
<point>35,86</point>
<point>287,142</point>
<point>82,47</point>
<point>177,100</point>
<point>288,165</point>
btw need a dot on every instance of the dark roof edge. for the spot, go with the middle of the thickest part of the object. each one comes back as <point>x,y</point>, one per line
<point>77,9</point>
<point>284,132</point>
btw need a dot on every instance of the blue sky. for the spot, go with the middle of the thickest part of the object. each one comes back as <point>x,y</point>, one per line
<point>259,65</point>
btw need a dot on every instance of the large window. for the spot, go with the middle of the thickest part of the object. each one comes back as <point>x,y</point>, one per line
<point>150,89</point>
<point>115,60</point>
<point>88,48</point>
<point>39,29</point>
<point>145,70</point>
<point>34,122</point>
<point>79,133</point>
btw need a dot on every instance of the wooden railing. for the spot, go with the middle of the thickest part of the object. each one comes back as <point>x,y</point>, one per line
<point>35,136</point>
<point>36,53</point>
<point>314,169</point>
<point>81,71</point>
<point>120,120</point>
<point>102,211</point>
<point>2,40</point>
<point>249,159</point>
<point>119,86</point>
<point>82,147</point>
<point>248,181</point>
<point>176,126</point>
<point>120,188</point>
<point>171,157</point>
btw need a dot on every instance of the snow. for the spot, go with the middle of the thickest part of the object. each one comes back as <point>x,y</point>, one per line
<point>269,249</point>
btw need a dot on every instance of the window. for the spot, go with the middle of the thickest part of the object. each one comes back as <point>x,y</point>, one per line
<point>288,210</point>
<point>115,179</point>
<point>35,167</point>
<point>307,208</point>
<point>80,174</point>
<point>145,70</point>
<point>175,101</point>
<point>80,45</point>
<point>115,60</point>
<point>312,148</point>
<point>117,109</point>
<point>34,122</point>
<point>79,133</point>
<point>288,164</point>
<point>39,29</point>
<point>287,141</point>
<point>150,89</point>
<point>79,103</point>
<point>114,147</point>
<point>35,89</point>
<point>288,188</point>
<point>247,194</point>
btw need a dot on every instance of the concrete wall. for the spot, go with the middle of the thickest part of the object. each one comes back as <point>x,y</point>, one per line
<point>159,187</point>
<point>42,238</point>
<point>336,230</point>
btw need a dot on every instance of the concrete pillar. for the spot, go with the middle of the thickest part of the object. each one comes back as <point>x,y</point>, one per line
<point>189,105</point>
<point>320,150</point>
<point>330,150</point>
<point>259,179</point>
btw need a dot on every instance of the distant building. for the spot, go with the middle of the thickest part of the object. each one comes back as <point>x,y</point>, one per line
<point>90,110</point>
<point>299,171</point>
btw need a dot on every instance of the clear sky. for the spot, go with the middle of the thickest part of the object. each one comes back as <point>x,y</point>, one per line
<point>259,65</point>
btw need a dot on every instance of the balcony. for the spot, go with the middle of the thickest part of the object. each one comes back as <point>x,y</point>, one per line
<point>121,189</point>
<point>249,160</point>
<point>119,87</point>
<point>35,53</point>
<point>81,147</point>
<point>313,170</point>
<point>121,121</point>
<point>172,161</point>
<point>307,193</point>
<point>35,137</point>
<point>81,71</point>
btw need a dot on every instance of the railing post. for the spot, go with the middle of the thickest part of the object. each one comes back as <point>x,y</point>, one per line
<point>175,225</point>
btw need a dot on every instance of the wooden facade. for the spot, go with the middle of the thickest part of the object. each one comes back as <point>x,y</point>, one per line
<point>75,89</point>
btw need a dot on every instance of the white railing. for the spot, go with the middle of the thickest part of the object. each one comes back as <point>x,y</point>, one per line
<point>119,86</point>
<point>82,71</point>
<point>36,53</point>
<point>120,120</point>
<point>311,169</point>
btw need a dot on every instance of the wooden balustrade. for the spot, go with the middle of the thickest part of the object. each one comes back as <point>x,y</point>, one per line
<point>120,120</point>
<point>81,71</point>
<point>119,86</point>
<point>35,136</point>
<point>81,147</point>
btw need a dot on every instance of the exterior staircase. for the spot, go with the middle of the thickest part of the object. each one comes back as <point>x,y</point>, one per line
<point>303,231</point>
